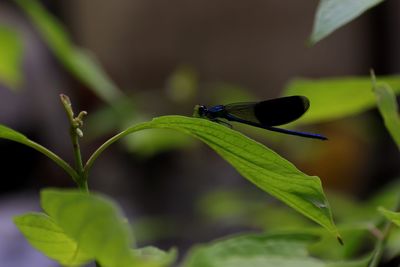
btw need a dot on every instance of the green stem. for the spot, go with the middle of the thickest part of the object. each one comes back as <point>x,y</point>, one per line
<point>59,161</point>
<point>380,246</point>
<point>82,181</point>
<point>75,133</point>
<point>109,142</point>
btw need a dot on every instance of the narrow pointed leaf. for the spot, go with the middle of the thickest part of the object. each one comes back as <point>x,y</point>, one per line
<point>387,105</point>
<point>394,217</point>
<point>47,237</point>
<point>94,222</point>
<point>11,58</point>
<point>76,60</point>
<point>336,98</point>
<point>12,135</point>
<point>333,14</point>
<point>257,163</point>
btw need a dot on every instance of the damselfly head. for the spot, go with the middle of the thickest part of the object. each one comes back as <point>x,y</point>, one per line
<point>202,111</point>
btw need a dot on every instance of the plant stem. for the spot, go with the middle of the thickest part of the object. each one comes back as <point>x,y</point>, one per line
<point>380,246</point>
<point>59,161</point>
<point>75,133</point>
<point>110,141</point>
<point>82,181</point>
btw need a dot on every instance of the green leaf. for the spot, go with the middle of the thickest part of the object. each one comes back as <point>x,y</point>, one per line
<point>74,59</point>
<point>337,97</point>
<point>254,250</point>
<point>10,134</point>
<point>264,250</point>
<point>332,14</point>
<point>387,105</point>
<point>11,51</point>
<point>394,217</point>
<point>94,222</point>
<point>257,163</point>
<point>182,84</point>
<point>47,237</point>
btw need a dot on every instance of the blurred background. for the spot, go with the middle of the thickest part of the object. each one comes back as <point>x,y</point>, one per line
<point>163,57</point>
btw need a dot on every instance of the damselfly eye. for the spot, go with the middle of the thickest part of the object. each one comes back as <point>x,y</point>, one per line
<point>202,111</point>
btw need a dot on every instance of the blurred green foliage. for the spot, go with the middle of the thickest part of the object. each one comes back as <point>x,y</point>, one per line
<point>11,52</point>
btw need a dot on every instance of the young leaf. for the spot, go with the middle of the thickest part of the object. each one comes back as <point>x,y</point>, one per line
<point>11,58</point>
<point>47,237</point>
<point>76,60</point>
<point>257,163</point>
<point>394,217</point>
<point>387,105</point>
<point>338,97</point>
<point>332,14</point>
<point>94,222</point>
<point>10,134</point>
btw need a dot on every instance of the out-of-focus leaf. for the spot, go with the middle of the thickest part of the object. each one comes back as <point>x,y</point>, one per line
<point>265,250</point>
<point>254,250</point>
<point>182,84</point>
<point>224,93</point>
<point>332,14</point>
<point>338,97</point>
<point>260,165</point>
<point>393,243</point>
<point>386,197</point>
<point>47,237</point>
<point>155,228</point>
<point>156,257</point>
<point>10,58</point>
<point>237,208</point>
<point>394,217</point>
<point>357,238</point>
<point>150,143</point>
<point>74,59</point>
<point>387,106</point>
<point>144,144</point>
<point>109,118</point>
<point>94,222</point>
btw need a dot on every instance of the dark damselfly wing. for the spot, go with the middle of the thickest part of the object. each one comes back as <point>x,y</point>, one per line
<point>271,112</point>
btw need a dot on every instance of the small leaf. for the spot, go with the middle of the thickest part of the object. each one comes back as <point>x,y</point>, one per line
<point>44,235</point>
<point>337,97</point>
<point>11,51</point>
<point>387,106</point>
<point>94,222</point>
<point>332,14</point>
<point>394,217</point>
<point>76,60</point>
<point>257,163</point>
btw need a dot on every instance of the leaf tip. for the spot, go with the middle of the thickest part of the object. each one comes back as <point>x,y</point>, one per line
<point>340,240</point>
